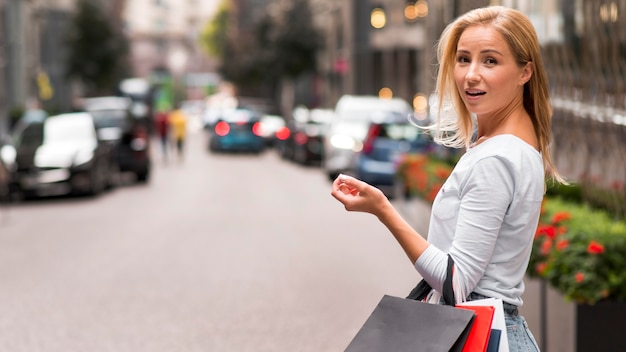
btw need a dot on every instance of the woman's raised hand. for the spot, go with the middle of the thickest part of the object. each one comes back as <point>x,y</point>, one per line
<point>357,195</point>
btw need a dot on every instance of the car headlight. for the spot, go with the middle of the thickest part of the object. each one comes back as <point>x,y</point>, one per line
<point>83,157</point>
<point>340,141</point>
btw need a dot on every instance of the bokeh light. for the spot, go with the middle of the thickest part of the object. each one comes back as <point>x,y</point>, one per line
<point>421,8</point>
<point>385,93</point>
<point>378,18</point>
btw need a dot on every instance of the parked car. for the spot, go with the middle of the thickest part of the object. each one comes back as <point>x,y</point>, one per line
<point>129,135</point>
<point>5,172</point>
<point>237,130</point>
<point>308,137</point>
<point>271,124</point>
<point>353,115</point>
<point>61,155</point>
<point>386,142</point>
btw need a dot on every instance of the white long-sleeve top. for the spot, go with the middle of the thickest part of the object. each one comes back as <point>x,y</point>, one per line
<point>485,216</point>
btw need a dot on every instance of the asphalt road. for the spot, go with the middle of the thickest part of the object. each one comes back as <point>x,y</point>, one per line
<point>217,253</point>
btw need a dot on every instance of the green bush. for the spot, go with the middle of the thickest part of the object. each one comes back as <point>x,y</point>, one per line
<point>580,251</point>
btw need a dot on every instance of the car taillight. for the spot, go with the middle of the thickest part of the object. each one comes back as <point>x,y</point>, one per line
<point>222,129</point>
<point>283,133</point>
<point>257,129</point>
<point>372,133</point>
<point>300,138</point>
<point>140,139</point>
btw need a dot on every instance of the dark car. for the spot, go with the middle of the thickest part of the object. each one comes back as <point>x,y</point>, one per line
<point>271,125</point>
<point>61,155</point>
<point>308,138</point>
<point>237,130</point>
<point>386,142</point>
<point>128,134</point>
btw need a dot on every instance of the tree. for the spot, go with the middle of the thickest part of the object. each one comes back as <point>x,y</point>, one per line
<point>213,38</point>
<point>97,50</point>
<point>295,46</point>
<point>282,48</point>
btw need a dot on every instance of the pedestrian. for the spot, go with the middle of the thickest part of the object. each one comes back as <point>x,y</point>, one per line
<point>162,130</point>
<point>178,123</point>
<point>485,216</point>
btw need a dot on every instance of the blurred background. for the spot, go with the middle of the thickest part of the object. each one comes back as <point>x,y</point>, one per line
<point>281,54</point>
<point>217,126</point>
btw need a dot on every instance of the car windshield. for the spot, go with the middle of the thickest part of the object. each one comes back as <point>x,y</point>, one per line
<point>31,136</point>
<point>356,129</point>
<point>109,118</point>
<point>402,132</point>
<point>376,114</point>
<point>239,115</point>
<point>63,130</point>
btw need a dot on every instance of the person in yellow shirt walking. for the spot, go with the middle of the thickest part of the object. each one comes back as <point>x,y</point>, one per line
<point>178,127</point>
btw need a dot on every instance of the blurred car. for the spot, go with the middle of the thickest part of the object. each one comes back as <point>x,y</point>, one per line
<point>5,173</point>
<point>308,137</point>
<point>118,126</point>
<point>270,125</point>
<point>386,142</point>
<point>61,155</point>
<point>353,115</point>
<point>237,130</point>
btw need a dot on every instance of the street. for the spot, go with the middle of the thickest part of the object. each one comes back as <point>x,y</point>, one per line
<point>226,252</point>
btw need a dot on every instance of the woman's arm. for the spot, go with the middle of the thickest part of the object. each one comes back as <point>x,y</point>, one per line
<point>359,196</point>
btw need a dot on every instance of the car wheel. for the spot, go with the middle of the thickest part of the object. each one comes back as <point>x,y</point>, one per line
<point>96,182</point>
<point>114,176</point>
<point>142,177</point>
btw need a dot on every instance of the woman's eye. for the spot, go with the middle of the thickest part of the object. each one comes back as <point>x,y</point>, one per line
<point>462,59</point>
<point>491,61</point>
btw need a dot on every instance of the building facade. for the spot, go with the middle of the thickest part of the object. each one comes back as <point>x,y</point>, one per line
<point>164,38</point>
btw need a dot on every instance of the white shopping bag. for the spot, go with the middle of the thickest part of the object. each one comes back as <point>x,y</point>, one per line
<point>498,318</point>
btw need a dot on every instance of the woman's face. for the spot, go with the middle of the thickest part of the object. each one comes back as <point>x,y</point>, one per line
<point>486,73</point>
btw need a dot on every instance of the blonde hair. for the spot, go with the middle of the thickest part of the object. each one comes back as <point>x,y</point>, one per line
<point>520,35</point>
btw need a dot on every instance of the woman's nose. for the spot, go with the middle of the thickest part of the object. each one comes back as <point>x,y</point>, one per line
<point>473,73</point>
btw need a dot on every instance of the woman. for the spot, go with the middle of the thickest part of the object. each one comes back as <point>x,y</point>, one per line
<point>485,215</point>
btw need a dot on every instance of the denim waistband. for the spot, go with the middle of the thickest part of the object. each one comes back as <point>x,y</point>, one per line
<point>509,308</point>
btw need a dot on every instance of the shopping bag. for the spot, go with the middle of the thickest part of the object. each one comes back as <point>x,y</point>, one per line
<point>498,319</point>
<point>478,338</point>
<point>494,340</point>
<point>399,324</point>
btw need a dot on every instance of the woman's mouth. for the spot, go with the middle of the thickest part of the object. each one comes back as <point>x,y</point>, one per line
<point>475,93</point>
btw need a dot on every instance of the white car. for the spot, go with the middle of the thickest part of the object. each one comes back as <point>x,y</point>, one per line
<point>348,129</point>
<point>62,155</point>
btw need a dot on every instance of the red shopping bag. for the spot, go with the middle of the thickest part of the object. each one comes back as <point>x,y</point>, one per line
<point>478,338</point>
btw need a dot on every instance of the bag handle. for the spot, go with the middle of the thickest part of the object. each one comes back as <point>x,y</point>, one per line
<point>423,288</point>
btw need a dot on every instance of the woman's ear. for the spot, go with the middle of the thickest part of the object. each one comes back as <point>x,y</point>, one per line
<point>527,73</point>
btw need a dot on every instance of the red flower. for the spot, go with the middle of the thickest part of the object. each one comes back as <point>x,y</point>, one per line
<point>579,277</point>
<point>547,230</point>
<point>442,173</point>
<point>561,216</point>
<point>433,192</point>
<point>546,247</point>
<point>617,185</point>
<point>595,247</point>
<point>541,268</point>
<point>561,245</point>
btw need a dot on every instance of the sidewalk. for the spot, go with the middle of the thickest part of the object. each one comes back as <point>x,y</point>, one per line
<point>560,316</point>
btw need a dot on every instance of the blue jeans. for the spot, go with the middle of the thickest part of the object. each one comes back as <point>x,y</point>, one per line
<point>519,335</point>
<point>517,331</point>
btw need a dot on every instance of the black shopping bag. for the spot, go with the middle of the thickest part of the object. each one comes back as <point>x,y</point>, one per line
<point>399,324</point>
